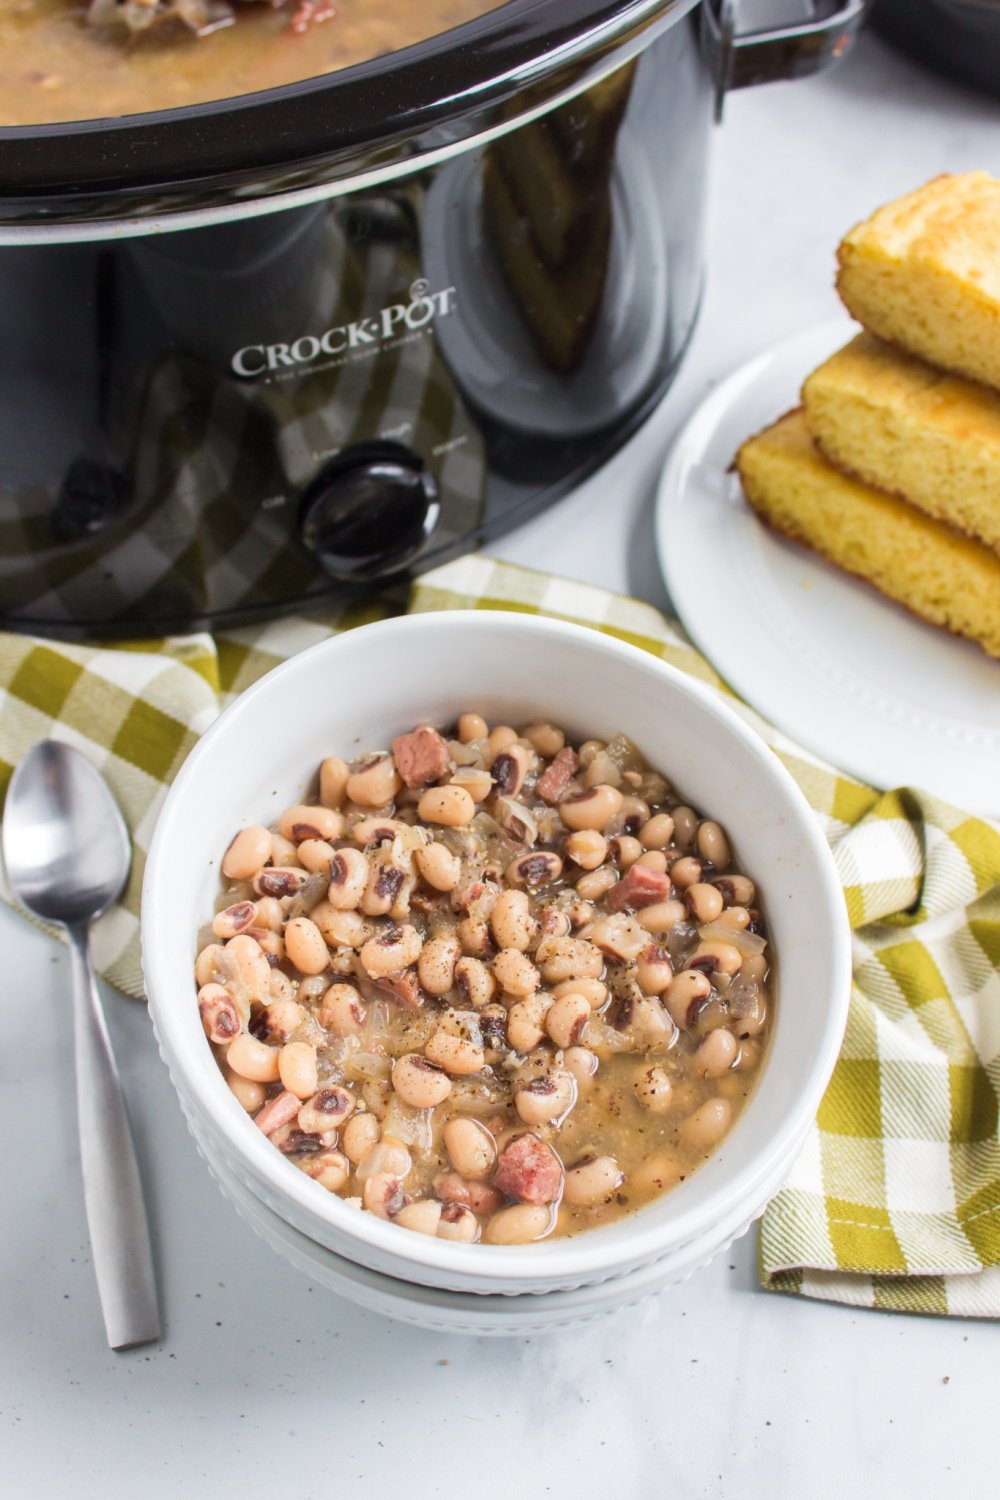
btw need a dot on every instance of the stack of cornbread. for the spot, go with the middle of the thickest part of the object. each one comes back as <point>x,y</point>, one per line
<point>891,468</point>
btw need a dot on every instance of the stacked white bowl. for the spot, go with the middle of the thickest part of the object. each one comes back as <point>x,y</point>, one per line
<point>353,694</point>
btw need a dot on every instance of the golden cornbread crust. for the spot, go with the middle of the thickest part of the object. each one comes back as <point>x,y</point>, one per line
<point>924,273</point>
<point>901,425</point>
<point>937,573</point>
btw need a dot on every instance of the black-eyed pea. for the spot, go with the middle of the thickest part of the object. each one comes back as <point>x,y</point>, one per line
<point>582,1063</point>
<point>368,833</point>
<point>590,750</point>
<point>478,784</point>
<point>284,853</point>
<point>511,920</point>
<point>250,1096</point>
<point>349,875</point>
<point>685,827</point>
<point>247,854</point>
<point>383,1195</point>
<point>568,958</point>
<point>475,937</point>
<point>330,1169</point>
<point>659,919</point>
<point>269,913</point>
<point>360,1135</point>
<point>341,929</point>
<point>471,1148</point>
<point>395,949</point>
<point>509,769</point>
<point>566,1019</point>
<point>301,823</point>
<point>297,1069</point>
<point>715,957</point>
<point>455,1054</point>
<point>686,871</point>
<point>280,881</point>
<point>447,806</point>
<point>716,1054</point>
<point>499,739</point>
<point>593,807</point>
<point>532,870</point>
<point>234,919</point>
<point>545,1099</point>
<point>283,1016</point>
<point>736,917</point>
<point>651,1025</point>
<point>375,782</point>
<point>436,965</point>
<point>519,1224</point>
<point>594,991</point>
<point>441,869</point>
<point>420,1082</point>
<point>737,890</point>
<point>625,850</point>
<point>333,775</point>
<point>280,987</point>
<point>653,859</point>
<point>712,844</point>
<point>219,1017</point>
<point>515,973</point>
<point>657,832</point>
<point>653,969</point>
<point>654,1090</point>
<point>704,902</point>
<point>655,1174</point>
<point>253,1059</point>
<point>553,922</point>
<point>207,964</point>
<point>472,727</point>
<point>586,848</point>
<point>526,1022</point>
<point>388,1156</point>
<point>547,739</point>
<point>421,1216</point>
<point>474,982</point>
<point>271,944</point>
<point>305,946</point>
<point>245,971</point>
<point>457,1222</point>
<point>388,886</point>
<point>592,1180</point>
<point>327,1109</point>
<point>749,1057</point>
<point>685,994</point>
<point>705,1127</point>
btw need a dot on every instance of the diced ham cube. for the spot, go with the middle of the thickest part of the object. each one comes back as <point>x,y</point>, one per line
<point>638,888</point>
<point>405,988</point>
<point>421,757</point>
<point>558,775</point>
<point>277,1112</point>
<point>529,1171</point>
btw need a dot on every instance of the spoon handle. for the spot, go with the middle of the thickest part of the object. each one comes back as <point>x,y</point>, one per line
<point>116,1212</point>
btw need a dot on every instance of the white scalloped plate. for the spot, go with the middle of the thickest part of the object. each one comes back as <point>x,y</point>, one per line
<point>843,671</point>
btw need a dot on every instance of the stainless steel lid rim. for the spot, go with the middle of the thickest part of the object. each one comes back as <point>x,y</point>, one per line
<point>465,74</point>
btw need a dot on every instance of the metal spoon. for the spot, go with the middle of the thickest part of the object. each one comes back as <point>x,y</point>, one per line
<point>67,854</point>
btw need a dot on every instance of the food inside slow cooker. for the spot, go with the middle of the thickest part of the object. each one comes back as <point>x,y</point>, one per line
<point>89,59</point>
<point>488,985</point>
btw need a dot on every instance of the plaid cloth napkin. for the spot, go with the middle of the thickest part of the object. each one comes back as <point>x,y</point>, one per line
<point>895,1200</point>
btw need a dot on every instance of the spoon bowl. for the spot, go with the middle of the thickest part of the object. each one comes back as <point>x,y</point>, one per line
<point>67,853</point>
<point>65,844</point>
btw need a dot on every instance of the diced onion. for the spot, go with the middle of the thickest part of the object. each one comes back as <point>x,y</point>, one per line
<point>748,943</point>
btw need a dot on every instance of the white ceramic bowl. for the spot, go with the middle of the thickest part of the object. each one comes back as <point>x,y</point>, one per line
<point>354,693</point>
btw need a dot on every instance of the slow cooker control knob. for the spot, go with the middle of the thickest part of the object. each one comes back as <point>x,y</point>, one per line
<point>369,511</point>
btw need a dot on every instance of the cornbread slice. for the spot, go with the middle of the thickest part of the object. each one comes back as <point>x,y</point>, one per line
<point>936,572</point>
<point>924,273</point>
<point>905,427</point>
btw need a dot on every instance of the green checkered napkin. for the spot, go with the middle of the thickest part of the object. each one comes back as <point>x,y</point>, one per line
<point>895,1201</point>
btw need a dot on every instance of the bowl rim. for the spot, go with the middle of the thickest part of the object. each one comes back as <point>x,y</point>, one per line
<point>589,1255</point>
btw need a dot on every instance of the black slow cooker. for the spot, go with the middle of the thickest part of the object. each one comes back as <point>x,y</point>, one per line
<point>265,349</point>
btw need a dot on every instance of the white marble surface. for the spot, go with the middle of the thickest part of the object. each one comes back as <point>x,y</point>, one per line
<point>266,1386</point>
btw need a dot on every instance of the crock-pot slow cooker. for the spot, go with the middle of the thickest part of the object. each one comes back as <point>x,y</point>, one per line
<point>284,345</point>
